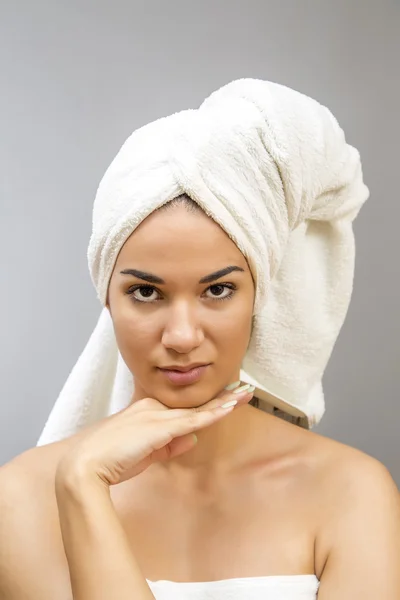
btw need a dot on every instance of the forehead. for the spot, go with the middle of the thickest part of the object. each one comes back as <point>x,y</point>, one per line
<point>176,236</point>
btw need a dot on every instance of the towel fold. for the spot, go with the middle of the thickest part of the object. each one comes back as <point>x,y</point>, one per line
<point>271,166</point>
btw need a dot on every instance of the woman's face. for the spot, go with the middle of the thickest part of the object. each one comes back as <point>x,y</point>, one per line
<point>181,295</point>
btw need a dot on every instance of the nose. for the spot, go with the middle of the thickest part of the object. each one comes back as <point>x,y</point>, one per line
<point>182,331</point>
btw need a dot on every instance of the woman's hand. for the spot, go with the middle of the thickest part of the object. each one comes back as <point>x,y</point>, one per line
<point>126,443</point>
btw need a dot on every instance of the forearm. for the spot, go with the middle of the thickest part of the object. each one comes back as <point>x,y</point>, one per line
<point>101,563</point>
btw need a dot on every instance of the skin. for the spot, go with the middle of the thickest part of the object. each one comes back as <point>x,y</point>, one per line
<point>182,321</point>
<point>256,496</point>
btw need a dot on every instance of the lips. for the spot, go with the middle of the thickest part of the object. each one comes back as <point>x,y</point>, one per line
<point>184,375</point>
<point>183,369</point>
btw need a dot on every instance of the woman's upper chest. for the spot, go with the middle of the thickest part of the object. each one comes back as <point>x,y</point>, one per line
<point>251,525</point>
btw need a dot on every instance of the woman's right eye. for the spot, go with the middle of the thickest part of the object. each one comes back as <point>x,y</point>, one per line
<point>144,293</point>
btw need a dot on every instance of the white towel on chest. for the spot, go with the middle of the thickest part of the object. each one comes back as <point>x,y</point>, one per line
<point>272,167</point>
<point>275,587</point>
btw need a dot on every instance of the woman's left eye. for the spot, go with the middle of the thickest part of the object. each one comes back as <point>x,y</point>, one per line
<point>220,291</point>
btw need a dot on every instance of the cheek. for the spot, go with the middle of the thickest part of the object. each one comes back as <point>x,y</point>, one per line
<point>232,328</point>
<point>136,337</point>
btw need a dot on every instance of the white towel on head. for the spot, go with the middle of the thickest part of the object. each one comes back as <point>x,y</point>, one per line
<point>272,167</point>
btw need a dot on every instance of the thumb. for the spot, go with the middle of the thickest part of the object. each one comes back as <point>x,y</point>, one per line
<point>181,444</point>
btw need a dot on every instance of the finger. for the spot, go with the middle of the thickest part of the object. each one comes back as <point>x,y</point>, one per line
<point>241,393</point>
<point>179,445</point>
<point>240,396</point>
<point>191,421</point>
<point>146,404</point>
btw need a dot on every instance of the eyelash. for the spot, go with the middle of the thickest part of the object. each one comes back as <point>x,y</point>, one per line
<point>133,289</point>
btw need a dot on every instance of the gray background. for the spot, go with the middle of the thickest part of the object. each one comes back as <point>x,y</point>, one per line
<point>79,76</point>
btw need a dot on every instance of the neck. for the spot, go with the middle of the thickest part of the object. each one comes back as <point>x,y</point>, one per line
<point>223,446</point>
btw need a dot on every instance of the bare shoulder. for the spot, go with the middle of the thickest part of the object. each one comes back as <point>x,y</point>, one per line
<point>34,469</point>
<point>347,471</point>
<point>32,560</point>
<point>30,475</point>
<point>347,477</point>
<point>332,464</point>
<point>358,505</point>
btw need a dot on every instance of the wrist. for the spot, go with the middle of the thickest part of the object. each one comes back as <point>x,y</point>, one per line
<point>78,479</point>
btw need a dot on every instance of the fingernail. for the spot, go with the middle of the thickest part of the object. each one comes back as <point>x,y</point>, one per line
<point>194,437</point>
<point>232,386</point>
<point>229,404</point>
<point>245,388</point>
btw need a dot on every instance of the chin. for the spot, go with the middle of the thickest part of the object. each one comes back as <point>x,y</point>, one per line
<point>189,396</point>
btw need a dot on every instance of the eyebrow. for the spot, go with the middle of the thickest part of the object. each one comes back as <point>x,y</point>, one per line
<point>150,278</point>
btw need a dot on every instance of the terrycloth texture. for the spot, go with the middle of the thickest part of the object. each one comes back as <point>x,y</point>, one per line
<point>295,587</point>
<point>272,167</point>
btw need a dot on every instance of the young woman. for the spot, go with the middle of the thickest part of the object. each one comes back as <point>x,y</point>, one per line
<point>135,506</point>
